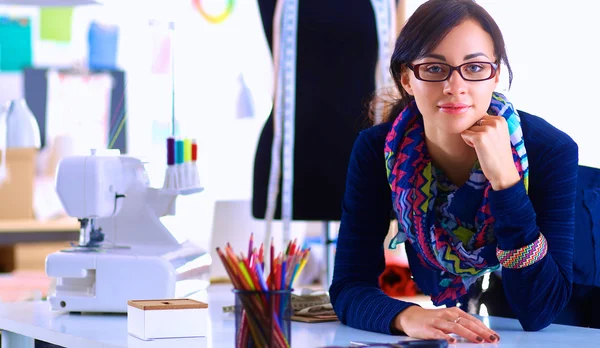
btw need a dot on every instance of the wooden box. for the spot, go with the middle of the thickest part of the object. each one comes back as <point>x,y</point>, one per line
<point>171,318</point>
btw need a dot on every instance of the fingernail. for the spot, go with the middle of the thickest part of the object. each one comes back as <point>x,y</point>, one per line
<point>498,337</point>
<point>493,337</point>
<point>479,339</point>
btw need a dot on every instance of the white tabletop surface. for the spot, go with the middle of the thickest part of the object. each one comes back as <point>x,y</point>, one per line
<point>35,319</point>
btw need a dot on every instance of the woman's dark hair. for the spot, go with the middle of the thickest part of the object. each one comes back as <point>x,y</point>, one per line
<point>425,29</point>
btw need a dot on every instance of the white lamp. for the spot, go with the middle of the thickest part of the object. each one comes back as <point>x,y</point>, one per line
<point>18,128</point>
<point>21,126</point>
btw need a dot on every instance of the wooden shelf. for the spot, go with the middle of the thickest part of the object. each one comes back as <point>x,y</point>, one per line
<point>36,226</point>
<point>33,231</point>
<point>24,241</point>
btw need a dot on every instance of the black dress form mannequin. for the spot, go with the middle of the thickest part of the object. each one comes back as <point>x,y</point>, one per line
<point>335,79</point>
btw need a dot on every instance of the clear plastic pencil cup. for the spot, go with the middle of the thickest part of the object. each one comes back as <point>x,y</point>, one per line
<point>263,318</point>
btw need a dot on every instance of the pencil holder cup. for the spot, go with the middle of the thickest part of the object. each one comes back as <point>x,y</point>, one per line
<point>263,318</point>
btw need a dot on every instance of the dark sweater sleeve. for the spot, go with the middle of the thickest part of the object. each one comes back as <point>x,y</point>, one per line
<point>538,293</point>
<point>355,294</point>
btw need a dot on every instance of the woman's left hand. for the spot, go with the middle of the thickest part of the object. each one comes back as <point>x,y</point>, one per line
<point>491,141</point>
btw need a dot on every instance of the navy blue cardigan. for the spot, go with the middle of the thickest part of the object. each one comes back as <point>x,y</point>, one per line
<point>586,262</point>
<point>536,294</point>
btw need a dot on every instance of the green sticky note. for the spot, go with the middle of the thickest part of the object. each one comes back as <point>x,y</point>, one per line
<point>55,23</point>
<point>15,43</point>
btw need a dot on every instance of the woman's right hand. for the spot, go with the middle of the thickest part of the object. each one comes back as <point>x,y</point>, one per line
<point>424,323</point>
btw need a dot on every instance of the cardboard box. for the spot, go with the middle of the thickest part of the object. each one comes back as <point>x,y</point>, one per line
<point>7,258</point>
<point>171,318</point>
<point>16,192</point>
<point>32,256</point>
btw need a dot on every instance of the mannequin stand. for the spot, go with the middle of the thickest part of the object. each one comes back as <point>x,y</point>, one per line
<point>329,246</point>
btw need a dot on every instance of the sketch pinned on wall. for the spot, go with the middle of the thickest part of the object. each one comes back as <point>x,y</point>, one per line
<point>84,118</point>
<point>56,24</point>
<point>15,43</point>
<point>161,52</point>
<point>102,43</point>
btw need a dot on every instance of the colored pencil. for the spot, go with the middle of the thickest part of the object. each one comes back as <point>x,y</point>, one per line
<point>260,307</point>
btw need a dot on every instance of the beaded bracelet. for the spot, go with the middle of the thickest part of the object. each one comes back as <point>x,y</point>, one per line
<point>525,256</point>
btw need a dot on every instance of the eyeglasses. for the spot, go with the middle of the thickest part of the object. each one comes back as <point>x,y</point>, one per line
<point>438,72</point>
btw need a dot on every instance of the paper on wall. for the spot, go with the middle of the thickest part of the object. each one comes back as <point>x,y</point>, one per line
<point>15,43</point>
<point>56,23</point>
<point>78,105</point>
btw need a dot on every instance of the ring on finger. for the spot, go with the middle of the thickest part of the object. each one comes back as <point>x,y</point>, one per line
<point>457,320</point>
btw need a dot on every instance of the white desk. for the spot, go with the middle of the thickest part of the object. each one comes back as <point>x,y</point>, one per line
<point>23,322</point>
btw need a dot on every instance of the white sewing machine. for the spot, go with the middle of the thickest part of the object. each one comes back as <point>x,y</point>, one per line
<point>124,251</point>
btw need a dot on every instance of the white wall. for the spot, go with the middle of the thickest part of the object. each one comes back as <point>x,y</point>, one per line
<point>210,60</point>
<point>544,40</point>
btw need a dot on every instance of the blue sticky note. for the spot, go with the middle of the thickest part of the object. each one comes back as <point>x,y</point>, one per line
<point>15,44</point>
<point>103,40</point>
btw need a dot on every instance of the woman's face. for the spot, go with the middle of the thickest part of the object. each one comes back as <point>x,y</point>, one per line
<point>454,105</point>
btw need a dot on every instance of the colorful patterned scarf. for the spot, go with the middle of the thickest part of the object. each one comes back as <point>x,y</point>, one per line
<point>461,250</point>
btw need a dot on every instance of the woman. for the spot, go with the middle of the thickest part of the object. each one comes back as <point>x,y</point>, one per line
<point>476,186</point>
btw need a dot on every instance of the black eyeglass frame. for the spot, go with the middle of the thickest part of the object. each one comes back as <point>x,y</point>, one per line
<point>415,69</point>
